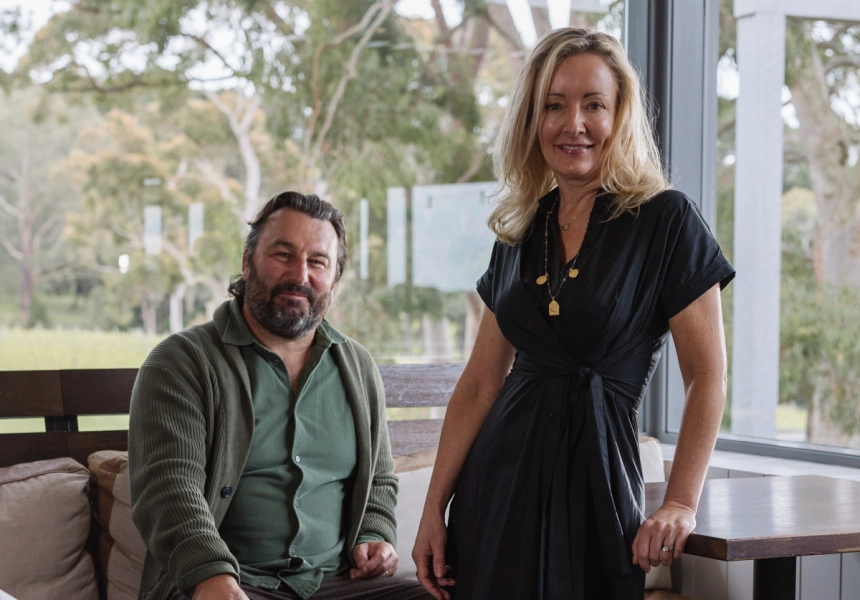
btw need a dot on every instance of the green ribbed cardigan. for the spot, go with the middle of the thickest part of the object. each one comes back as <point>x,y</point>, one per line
<point>191,423</point>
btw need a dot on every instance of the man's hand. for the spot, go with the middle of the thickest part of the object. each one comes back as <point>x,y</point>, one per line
<point>219,587</point>
<point>373,559</point>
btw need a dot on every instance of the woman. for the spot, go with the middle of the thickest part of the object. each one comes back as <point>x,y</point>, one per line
<point>596,262</point>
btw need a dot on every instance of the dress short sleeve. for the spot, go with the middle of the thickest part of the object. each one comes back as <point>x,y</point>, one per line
<point>694,262</point>
<point>485,283</point>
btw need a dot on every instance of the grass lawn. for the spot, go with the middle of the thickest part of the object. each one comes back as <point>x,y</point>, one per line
<point>791,417</point>
<point>45,349</point>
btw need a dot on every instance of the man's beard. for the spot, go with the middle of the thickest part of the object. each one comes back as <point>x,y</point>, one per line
<point>283,316</point>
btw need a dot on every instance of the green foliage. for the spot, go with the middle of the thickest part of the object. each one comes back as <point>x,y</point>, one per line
<point>36,133</point>
<point>819,329</point>
<point>160,45</point>
<point>358,310</point>
<point>331,114</point>
<point>798,47</point>
<point>819,335</point>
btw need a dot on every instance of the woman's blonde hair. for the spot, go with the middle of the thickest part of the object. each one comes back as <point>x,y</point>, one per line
<point>631,167</point>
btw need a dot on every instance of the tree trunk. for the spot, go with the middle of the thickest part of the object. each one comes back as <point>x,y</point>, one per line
<point>504,22</point>
<point>240,116</point>
<point>218,290</point>
<point>437,338</point>
<point>26,223</point>
<point>26,293</point>
<point>835,260</point>
<point>148,316</point>
<point>406,324</point>
<point>177,303</point>
<point>833,180</point>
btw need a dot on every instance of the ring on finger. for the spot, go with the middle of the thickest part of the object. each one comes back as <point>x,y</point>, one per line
<point>385,574</point>
<point>668,548</point>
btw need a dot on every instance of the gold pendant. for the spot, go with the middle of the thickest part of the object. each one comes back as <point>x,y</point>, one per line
<point>541,280</point>
<point>553,308</point>
<point>573,273</point>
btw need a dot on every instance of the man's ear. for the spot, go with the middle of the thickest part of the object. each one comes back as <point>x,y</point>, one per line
<point>246,264</point>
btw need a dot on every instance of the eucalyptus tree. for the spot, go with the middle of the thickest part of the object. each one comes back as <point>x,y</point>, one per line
<point>820,338</point>
<point>35,135</point>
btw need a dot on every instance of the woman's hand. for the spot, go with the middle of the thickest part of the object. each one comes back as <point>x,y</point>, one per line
<point>429,555</point>
<point>662,536</point>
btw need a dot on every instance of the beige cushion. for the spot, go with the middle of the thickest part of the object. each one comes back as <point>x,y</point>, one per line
<point>44,524</point>
<point>652,459</point>
<point>416,460</point>
<point>652,472</point>
<point>121,549</point>
<point>414,472</point>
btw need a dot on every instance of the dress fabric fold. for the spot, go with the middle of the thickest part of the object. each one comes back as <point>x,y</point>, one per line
<point>551,494</point>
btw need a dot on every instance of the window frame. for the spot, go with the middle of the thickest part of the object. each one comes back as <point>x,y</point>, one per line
<point>674,43</point>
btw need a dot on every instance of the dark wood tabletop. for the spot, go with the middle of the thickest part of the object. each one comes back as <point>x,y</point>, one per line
<point>771,517</point>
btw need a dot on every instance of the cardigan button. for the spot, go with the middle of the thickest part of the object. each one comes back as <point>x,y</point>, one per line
<point>226,491</point>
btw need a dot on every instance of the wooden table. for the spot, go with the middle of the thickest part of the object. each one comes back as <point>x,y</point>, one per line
<point>772,521</point>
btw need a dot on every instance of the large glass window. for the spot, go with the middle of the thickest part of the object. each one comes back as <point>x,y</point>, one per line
<point>788,218</point>
<point>138,139</point>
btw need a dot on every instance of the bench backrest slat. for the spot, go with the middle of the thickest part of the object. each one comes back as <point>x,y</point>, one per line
<point>30,394</point>
<point>26,447</point>
<point>61,396</point>
<point>82,444</point>
<point>419,385</point>
<point>97,391</point>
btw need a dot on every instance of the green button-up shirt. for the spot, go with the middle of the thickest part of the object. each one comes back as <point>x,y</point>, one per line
<point>288,519</point>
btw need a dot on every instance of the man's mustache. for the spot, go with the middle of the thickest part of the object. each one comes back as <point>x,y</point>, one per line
<point>294,288</point>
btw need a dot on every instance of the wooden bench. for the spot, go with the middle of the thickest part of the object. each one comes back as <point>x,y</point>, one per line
<point>60,397</point>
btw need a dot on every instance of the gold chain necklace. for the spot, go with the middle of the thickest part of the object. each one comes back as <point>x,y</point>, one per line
<point>572,273</point>
<point>567,225</point>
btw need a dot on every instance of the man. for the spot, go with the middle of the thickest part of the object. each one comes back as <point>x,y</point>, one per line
<point>258,450</point>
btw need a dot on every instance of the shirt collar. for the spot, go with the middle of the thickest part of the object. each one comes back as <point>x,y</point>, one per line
<point>238,333</point>
<point>328,335</point>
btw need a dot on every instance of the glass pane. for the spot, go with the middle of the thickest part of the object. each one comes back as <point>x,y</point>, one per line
<point>789,142</point>
<point>135,146</point>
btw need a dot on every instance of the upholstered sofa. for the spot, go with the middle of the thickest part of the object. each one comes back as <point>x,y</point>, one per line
<point>66,530</point>
<point>65,524</point>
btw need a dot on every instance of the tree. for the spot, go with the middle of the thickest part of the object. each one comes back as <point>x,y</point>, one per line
<point>822,65</point>
<point>820,344</point>
<point>342,90</point>
<point>36,133</point>
<point>130,162</point>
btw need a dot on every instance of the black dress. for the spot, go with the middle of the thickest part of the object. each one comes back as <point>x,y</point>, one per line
<point>551,494</point>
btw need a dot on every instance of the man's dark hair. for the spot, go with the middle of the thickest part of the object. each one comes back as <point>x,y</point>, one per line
<point>309,204</point>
